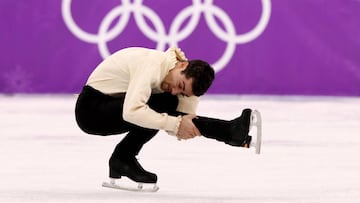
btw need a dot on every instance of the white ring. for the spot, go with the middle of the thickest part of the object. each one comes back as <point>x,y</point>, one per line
<point>175,35</point>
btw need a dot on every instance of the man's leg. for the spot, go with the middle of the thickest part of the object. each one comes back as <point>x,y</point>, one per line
<point>138,136</point>
<point>123,161</point>
<point>100,114</point>
<point>234,132</point>
<point>132,143</point>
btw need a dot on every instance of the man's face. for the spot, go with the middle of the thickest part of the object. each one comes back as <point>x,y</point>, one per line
<point>176,83</point>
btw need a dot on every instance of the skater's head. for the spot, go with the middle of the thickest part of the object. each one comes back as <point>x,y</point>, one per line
<point>189,78</point>
<point>202,74</point>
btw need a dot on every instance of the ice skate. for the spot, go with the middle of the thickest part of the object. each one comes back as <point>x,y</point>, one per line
<point>129,185</point>
<point>240,128</point>
<point>256,122</point>
<point>239,131</point>
<point>137,179</point>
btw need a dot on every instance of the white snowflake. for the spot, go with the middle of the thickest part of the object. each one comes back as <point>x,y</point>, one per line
<point>17,80</point>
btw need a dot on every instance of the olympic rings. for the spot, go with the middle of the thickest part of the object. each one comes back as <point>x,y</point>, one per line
<point>175,35</point>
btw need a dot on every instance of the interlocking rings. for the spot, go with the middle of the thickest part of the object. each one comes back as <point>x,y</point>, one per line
<point>175,35</point>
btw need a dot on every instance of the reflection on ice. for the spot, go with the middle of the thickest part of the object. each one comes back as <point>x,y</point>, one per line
<point>309,154</point>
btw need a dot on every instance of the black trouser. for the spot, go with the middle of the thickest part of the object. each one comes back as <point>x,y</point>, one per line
<point>101,114</point>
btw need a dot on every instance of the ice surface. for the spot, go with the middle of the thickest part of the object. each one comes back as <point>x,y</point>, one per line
<point>310,153</point>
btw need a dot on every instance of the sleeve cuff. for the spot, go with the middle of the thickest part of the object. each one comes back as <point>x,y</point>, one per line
<point>175,122</point>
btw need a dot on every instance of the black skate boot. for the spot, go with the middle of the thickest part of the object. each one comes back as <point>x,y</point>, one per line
<point>240,130</point>
<point>130,168</point>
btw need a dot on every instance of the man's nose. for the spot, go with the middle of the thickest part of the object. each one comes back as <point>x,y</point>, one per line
<point>175,91</point>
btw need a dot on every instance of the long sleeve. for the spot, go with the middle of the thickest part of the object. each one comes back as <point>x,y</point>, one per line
<point>136,110</point>
<point>139,72</point>
<point>188,104</point>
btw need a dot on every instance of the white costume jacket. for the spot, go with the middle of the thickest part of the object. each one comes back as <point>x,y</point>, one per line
<point>139,72</point>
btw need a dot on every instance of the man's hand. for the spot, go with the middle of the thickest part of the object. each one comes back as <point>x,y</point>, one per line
<point>187,129</point>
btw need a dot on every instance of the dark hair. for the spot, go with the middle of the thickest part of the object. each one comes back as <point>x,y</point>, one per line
<point>203,75</point>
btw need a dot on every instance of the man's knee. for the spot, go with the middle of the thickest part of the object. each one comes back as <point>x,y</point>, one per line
<point>164,102</point>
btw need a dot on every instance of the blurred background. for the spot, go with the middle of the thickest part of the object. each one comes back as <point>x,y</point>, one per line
<point>296,61</point>
<point>278,47</point>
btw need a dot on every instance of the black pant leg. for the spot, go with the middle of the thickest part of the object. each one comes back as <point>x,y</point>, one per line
<point>137,136</point>
<point>209,127</point>
<point>164,103</point>
<point>213,128</point>
<point>100,114</point>
<point>133,142</point>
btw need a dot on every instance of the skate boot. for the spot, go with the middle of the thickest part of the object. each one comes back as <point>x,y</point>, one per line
<point>239,131</point>
<point>131,169</point>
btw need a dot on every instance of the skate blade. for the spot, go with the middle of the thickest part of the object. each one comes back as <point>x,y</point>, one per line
<point>255,121</point>
<point>141,187</point>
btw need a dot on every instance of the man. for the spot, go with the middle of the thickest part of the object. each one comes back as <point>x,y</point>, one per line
<point>141,91</point>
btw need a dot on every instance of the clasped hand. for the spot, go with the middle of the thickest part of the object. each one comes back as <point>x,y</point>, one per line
<point>187,129</point>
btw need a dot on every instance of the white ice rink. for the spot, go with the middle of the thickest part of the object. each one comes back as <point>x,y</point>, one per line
<point>311,153</point>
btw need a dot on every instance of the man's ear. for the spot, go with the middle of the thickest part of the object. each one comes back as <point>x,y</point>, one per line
<point>184,64</point>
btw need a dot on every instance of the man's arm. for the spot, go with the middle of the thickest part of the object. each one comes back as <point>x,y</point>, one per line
<point>137,111</point>
<point>187,129</point>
